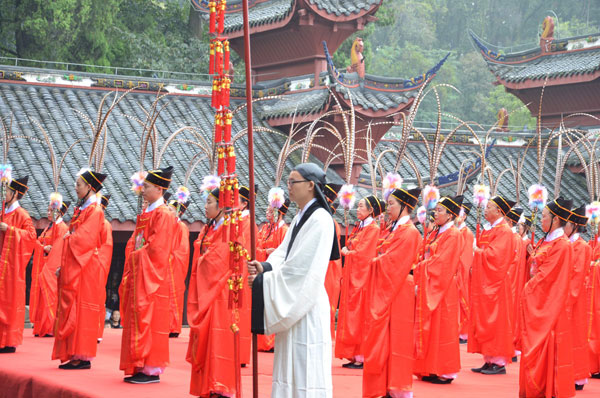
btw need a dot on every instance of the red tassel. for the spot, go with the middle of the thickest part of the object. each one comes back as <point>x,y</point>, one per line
<point>236,194</point>
<point>221,164</point>
<point>226,55</point>
<point>227,196</point>
<point>222,5</point>
<point>219,58</point>
<point>225,87</point>
<point>211,59</point>
<point>215,92</point>
<point>230,160</point>
<point>218,127</point>
<point>212,8</point>
<point>221,194</point>
<point>227,120</point>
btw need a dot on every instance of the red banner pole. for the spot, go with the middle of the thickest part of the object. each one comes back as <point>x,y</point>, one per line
<point>248,63</point>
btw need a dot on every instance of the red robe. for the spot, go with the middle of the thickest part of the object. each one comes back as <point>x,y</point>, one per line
<point>178,268</point>
<point>546,358</point>
<point>577,307</point>
<point>210,350</point>
<point>145,298</point>
<point>514,271</point>
<point>593,317</point>
<point>521,277</point>
<point>17,245</point>
<point>270,236</point>
<point>490,329</point>
<point>362,244</point>
<point>245,311</point>
<point>436,316</point>
<point>44,282</point>
<point>463,277</point>
<point>79,286</point>
<point>390,298</point>
<point>333,283</point>
<point>105,252</point>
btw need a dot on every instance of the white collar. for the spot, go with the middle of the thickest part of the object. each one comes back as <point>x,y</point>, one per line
<point>12,207</point>
<point>557,233</point>
<point>489,226</point>
<point>245,213</point>
<point>445,227</point>
<point>574,237</point>
<point>154,205</point>
<point>462,226</point>
<point>401,221</point>
<point>366,222</point>
<point>89,201</point>
<point>301,212</point>
<point>219,223</point>
<point>515,229</point>
<point>281,223</point>
<point>58,220</point>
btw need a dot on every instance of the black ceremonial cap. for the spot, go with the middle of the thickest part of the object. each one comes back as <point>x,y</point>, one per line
<point>466,207</point>
<point>408,197</point>
<point>515,214</point>
<point>167,196</point>
<point>452,204</point>
<point>561,208</point>
<point>160,177</point>
<point>19,185</point>
<point>331,192</point>
<point>376,205</point>
<point>93,178</point>
<point>104,199</point>
<point>578,217</point>
<point>182,206</point>
<point>64,207</point>
<point>503,204</point>
<point>285,206</point>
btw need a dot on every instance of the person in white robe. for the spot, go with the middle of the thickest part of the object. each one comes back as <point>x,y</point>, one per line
<point>288,292</point>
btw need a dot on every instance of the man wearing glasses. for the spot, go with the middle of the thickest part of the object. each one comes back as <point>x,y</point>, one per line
<point>288,292</point>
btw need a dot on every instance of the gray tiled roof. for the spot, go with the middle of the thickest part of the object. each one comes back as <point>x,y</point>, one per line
<point>373,99</point>
<point>345,7</point>
<point>53,108</point>
<point>298,103</point>
<point>532,65</point>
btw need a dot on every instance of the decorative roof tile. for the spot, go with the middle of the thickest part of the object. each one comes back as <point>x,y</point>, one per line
<point>344,7</point>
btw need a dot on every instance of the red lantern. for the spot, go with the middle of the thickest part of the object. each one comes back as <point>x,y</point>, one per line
<point>212,9</point>
<point>221,6</point>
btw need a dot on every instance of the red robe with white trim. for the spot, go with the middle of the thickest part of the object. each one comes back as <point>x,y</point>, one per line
<point>178,268</point>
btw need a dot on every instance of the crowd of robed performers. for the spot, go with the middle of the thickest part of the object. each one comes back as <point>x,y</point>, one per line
<point>406,299</point>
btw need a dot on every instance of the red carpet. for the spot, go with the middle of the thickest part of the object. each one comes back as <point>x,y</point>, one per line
<point>31,373</point>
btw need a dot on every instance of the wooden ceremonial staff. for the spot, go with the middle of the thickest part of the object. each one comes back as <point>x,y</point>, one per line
<point>250,177</point>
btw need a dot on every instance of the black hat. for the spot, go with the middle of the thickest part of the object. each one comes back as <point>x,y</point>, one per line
<point>408,197</point>
<point>527,220</point>
<point>514,214</point>
<point>578,217</point>
<point>19,185</point>
<point>104,200</point>
<point>94,179</point>
<point>331,192</point>
<point>244,192</point>
<point>452,204</point>
<point>503,204</point>
<point>182,206</point>
<point>561,208</point>
<point>167,196</point>
<point>375,204</point>
<point>466,206</point>
<point>64,207</point>
<point>215,194</point>
<point>285,206</point>
<point>160,177</point>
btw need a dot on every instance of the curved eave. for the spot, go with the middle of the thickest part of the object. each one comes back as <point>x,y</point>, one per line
<point>574,78</point>
<point>370,112</point>
<point>341,18</point>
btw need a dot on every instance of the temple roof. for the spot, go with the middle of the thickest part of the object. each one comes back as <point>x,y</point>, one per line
<point>53,106</point>
<point>265,12</point>
<point>567,58</point>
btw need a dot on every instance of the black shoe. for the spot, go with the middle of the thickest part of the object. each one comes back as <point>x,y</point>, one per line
<point>428,378</point>
<point>71,366</point>
<point>8,350</point>
<point>494,370</point>
<point>578,387</point>
<point>514,359</point>
<point>272,350</point>
<point>462,341</point>
<point>244,365</point>
<point>140,378</point>
<point>353,365</point>
<point>173,335</point>
<point>484,367</point>
<point>596,376</point>
<point>438,380</point>
<point>48,335</point>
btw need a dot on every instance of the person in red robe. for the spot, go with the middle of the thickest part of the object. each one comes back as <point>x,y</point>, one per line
<point>178,267</point>
<point>490,328</point>
<point>547,350</point>
<point>593,317</point>
<point>333,276</point>
<point>79,285</point>
<point>360,249</point>
<point>577,301</point>
<point>46,260</point>
<point>390,303</point>
<point>145,286</point>
<point>512,218</point>
<point>210,349</point>
<point>105,252</point>
<point>437,314</point>
<point>17,239</point>
<point>270,236</point>
<point>463,277</point>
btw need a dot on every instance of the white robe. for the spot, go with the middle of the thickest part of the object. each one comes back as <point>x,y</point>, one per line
<point>297,310</point>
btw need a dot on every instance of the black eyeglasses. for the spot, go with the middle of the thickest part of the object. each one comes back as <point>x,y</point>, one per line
<point>292,182</point>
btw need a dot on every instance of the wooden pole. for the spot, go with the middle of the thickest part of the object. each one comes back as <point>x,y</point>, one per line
<point>248,63</point>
